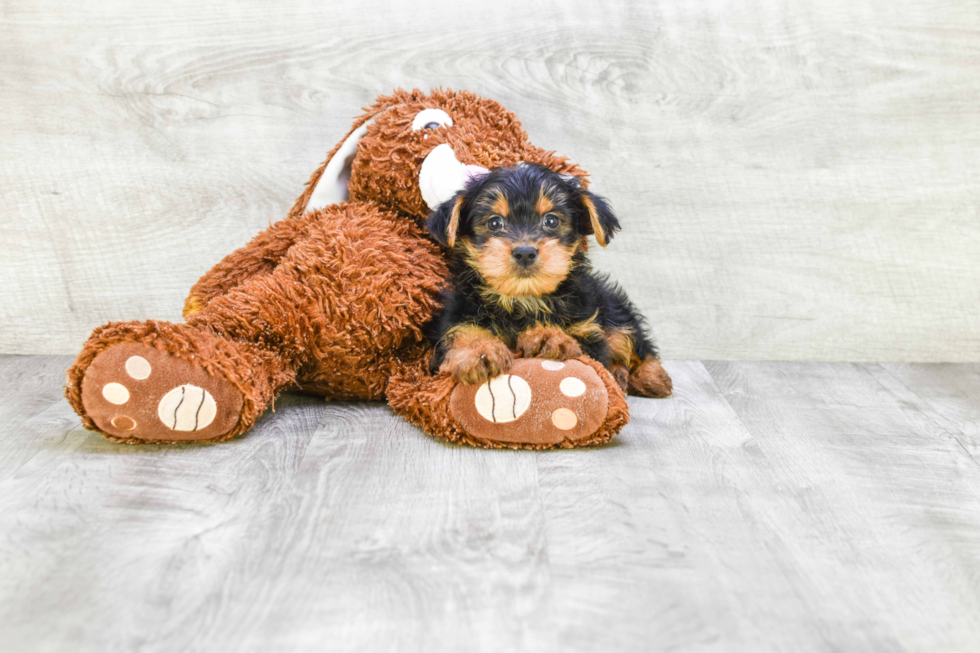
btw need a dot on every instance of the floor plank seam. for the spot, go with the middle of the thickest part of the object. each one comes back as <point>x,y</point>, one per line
<point>924,406</point>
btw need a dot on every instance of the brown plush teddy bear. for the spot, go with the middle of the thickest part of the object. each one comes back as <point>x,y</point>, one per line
<point>332,301</point>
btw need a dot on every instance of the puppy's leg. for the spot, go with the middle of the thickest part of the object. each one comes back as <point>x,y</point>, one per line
<point>646,377</point>
<point>544,341</point>
<point>473,354</point>
<point>620,343</point>
<point>650,379</point>
<point>621,374</point>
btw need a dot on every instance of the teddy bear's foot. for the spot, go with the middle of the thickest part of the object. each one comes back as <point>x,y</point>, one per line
<point>537,402</point>
<point>132,391</point>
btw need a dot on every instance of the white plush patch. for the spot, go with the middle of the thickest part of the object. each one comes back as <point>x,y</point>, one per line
<point>427,117</point>
<point>503,398</point>
<point>331,188</point>
<point>187,408</point>
<point>572,387</point>
<point>442,175</point>
<point>115,393</point>
<point>564,419</point>
<point>552,366</point>
<point>138,367</point>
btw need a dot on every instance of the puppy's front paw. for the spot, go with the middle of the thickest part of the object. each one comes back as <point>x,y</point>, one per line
<point>477,360</point>
<point>548,342</point>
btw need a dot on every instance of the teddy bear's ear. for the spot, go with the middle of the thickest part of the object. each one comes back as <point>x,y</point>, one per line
<point>331,186</point>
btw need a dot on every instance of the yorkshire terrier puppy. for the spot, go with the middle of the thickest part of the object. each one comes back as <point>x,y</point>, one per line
<point>521,280</point>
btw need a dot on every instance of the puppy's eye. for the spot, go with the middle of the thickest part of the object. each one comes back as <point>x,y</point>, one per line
<point>551,221</point>
<point>496,223</point>
<point>431,119</point>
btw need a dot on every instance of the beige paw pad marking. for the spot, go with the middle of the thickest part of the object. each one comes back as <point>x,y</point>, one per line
<point>564,419</point>
<point>503,398</point>
<point>123,422</point>
<point>115,393</point>
<point>572,387</point>
<point>552,366</point>
<point>187,408</point>
<point>138,367</point>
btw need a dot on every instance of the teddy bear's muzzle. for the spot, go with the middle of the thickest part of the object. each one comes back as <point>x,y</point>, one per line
<point>442,175</point>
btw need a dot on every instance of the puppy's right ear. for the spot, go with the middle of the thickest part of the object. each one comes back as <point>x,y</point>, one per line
<point>600,219</point>
<point>443,224</point>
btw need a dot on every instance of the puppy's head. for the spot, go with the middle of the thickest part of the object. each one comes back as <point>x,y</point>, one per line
<point>520,227</point>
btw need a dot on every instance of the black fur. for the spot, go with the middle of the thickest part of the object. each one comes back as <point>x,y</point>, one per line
<point>582,295</point>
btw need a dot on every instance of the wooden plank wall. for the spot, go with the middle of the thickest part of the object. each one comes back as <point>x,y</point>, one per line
<point>798,180</point>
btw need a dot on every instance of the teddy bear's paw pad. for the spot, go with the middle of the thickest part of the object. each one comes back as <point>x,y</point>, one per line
<point>538,402</point>
<point>137,392</point>
<point>187,408</point>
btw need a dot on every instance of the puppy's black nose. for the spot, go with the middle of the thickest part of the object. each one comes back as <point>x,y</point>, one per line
<point>525,255</point>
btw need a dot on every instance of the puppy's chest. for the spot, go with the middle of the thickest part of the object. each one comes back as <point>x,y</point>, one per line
<point>509,317</point>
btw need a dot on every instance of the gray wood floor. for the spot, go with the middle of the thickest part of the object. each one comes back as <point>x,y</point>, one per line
<point>766,506</point>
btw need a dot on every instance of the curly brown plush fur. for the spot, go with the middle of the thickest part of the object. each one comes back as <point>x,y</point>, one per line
<point>333,300</point>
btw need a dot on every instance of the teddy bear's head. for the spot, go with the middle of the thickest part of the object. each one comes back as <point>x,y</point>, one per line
<point>412,151</point>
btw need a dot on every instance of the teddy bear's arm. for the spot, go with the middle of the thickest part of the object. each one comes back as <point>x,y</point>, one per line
<point>259,256</point>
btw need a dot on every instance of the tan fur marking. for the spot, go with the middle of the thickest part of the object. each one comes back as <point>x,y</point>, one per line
<point>496,265</point>
<point>544,203</point>
<point>600,234</point>
<point>453,228</point>
<point>463,333</point>
<point>587,329</point>
<point>500,206</point>
<point>621,347</point>
<point>526,304</point>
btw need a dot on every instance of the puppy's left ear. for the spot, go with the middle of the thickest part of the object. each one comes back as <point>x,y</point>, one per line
<point>599,218</point>
<point>443,224</point>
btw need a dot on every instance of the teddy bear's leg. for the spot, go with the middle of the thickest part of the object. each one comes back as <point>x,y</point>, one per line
<point>155,381</point>
<point>537,404</point>
<point>260,257</point>
<point>209,379</point>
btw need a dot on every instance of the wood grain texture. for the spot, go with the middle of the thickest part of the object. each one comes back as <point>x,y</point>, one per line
<point>764,507</point>
<point>797,180</point>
